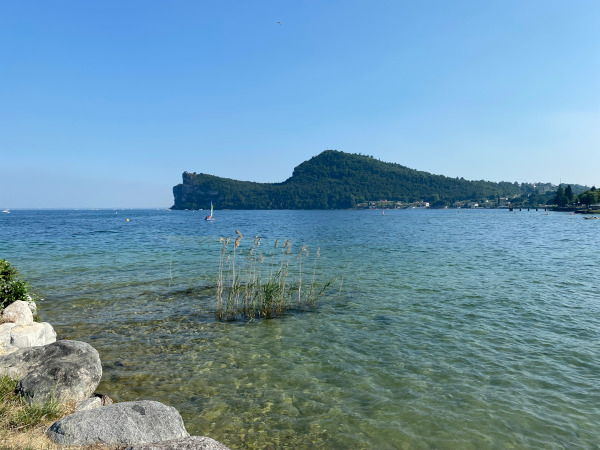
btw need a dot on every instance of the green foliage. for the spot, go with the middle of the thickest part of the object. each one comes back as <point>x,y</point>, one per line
<point>16,414</point>
<point>338,180</point>
<point>11,287</point>
<point>589,197</point>
<point>253,284</point>
<point>560,199</point>
<point>569,193</point>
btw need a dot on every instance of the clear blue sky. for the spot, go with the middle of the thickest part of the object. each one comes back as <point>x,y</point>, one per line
<point>105,103</point>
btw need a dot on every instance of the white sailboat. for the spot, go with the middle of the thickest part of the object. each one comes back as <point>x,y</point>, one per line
<point>210,217</point>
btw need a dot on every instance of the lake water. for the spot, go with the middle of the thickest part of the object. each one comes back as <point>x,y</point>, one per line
<point>478,329</point>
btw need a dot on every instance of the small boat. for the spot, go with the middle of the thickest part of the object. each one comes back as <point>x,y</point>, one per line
<point>590,218</point>
<point>6,211</point>
<point>210,217</point>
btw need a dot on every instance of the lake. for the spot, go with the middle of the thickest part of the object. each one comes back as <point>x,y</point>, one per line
<point>444,329</point>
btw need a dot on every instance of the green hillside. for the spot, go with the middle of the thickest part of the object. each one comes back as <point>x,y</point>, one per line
<point>337,180</point>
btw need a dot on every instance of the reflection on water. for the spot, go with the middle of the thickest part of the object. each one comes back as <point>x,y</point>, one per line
<point>468,330</point>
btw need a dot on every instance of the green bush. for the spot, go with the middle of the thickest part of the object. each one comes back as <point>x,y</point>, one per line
<point>11,287</point>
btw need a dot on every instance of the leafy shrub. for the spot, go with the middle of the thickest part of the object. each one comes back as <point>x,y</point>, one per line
<point>12,288</point>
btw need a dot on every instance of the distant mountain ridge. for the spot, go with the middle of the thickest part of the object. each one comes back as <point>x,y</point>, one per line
<point>338,180</point>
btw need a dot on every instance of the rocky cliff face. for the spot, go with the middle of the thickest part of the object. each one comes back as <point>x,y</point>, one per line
<point>194,192</point>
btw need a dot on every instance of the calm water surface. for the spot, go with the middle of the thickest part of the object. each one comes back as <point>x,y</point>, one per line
<point>478,329</point>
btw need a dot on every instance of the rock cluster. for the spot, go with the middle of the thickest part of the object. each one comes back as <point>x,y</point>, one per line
<point>70,371</point>
<point>18,330</point>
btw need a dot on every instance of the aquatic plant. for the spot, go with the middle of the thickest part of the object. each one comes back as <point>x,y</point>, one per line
<point>253,284</point>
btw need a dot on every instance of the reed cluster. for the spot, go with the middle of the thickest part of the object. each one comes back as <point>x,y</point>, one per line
<point>253,284</point>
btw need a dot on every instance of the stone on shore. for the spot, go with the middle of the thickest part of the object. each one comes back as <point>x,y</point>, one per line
<point>190,443</point>
<point>5,330</point>
<point>90,403</point>
<point>32,335</point>
<point>127,423</point>
<point>17,312</point>
<point>65,371</point>
<point>14,337</point>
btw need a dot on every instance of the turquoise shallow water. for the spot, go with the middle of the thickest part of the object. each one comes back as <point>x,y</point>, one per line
<point>478,329</point>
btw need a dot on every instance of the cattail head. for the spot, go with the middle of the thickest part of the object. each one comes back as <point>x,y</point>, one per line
<point>276,243</point>
<point>318,252</point>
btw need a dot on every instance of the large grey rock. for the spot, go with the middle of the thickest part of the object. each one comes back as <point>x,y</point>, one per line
<point>127,423</point>
<point>17,312</point>
<point>190,443</point>
<point>65,370</point>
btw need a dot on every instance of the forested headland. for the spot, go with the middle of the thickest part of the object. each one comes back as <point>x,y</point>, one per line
<point>338,180</point>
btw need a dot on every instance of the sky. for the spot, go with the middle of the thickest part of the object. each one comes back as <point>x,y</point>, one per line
<point>104,103</point>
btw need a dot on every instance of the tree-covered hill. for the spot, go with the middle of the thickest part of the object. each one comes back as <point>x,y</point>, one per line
<point>337,180</point>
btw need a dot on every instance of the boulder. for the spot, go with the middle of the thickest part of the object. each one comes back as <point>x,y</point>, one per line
<point>90,403</point>
<point>190,443</point>
<point>127,423</point>
<point>65,370</point>
<point>5,330</point>
<point>14,337</point>
<point>33,335</point>
<point>17,312</point>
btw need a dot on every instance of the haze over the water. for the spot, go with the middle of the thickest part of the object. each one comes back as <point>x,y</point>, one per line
<point>105,104</point>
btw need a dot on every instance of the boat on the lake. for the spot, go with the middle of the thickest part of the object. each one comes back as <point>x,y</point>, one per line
<point>6,211</point>
<point>210,217</point>
<point>590,218</point>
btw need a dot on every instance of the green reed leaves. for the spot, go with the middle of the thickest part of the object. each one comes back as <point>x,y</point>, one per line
<point>254,284</point>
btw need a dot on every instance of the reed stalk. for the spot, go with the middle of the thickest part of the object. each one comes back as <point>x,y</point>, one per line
<point>258,288</point>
